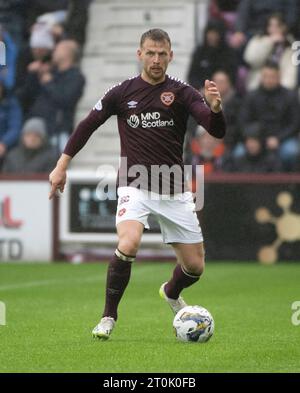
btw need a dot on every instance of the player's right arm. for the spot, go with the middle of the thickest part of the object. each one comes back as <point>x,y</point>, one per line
<point>104,108</point>
<point>58,176</point>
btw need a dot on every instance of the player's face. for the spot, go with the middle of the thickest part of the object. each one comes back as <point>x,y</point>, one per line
<point>155,57</point>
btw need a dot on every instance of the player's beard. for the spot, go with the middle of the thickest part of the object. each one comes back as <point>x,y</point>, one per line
<point>156,76</point>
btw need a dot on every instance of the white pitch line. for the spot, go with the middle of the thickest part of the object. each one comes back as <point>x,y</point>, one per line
<point>31,284</point>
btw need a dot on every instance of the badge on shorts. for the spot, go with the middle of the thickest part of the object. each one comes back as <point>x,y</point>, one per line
<point>124,199</point>
<point>167,98</point>
<point>121,212</point>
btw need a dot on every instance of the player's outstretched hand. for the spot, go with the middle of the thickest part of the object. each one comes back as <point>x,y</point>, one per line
<point>57,180</point>
<point>212,96</point>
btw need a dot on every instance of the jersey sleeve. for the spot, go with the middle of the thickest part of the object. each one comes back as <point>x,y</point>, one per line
<point>104,108</point>
<point>214,123</point>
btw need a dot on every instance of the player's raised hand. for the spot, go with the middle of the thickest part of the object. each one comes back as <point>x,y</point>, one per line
<point>212,96</point>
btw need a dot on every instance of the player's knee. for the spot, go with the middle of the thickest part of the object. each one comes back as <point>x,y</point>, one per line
<point>128,246</point>
<point>196,266</point>
<point>197,270</point>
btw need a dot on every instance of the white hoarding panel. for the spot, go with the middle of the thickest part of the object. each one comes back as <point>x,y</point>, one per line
<point>25,221</point>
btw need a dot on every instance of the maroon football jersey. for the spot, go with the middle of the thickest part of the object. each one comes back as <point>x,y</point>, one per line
<point>152,121</point>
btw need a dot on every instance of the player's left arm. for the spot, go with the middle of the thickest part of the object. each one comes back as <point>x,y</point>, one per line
<point>208,113</point>
<point>212,96</point>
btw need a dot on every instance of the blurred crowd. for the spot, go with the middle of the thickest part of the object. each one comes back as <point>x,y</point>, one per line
<point>41,83</point>
<point>246,49</point>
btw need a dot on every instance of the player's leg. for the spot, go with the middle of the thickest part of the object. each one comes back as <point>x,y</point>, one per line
<point>188,270</point>
<point>181,228</point>
<point>118,274</point>
<point>119,269</point>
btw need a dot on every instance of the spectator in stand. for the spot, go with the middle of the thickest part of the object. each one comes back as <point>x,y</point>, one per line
<point>274,111</point>
<point>33,155</point>
<point>207,151</point>
<point>74,24</point>
<point>231,104</point>
<point>77,20</point>
<point>10,121</point>
<point>256,158</point>
<point>36,8</point>
<point>58,32</point>
<point>56,91</point>
<point>54,22</point>
<point>41,42</point>
<point>226,11</point>
<point>274,45</point>
<point>8,72</point>
<point>34,58</point>
<point>252,16</point>
<point>213,55</point>
<point>12,18</point>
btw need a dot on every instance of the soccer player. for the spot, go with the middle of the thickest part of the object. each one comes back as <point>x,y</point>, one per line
<point>152,110</point>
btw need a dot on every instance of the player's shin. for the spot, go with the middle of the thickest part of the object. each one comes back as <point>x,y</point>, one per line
<point>118,276</point>
<point>181,279</point>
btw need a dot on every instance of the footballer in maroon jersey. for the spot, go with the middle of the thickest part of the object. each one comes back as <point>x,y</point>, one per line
<point>152,111</point>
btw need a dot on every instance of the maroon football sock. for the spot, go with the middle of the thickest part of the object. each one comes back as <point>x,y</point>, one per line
<point>118,275</point>
<point>180,280</point>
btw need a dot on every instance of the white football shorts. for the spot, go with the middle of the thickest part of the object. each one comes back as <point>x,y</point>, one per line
<point>176,215</point>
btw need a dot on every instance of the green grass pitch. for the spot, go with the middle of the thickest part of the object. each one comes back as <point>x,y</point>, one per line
<point>51,310</point>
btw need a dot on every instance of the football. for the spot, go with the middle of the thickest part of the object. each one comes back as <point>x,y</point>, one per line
<point>193,324</point>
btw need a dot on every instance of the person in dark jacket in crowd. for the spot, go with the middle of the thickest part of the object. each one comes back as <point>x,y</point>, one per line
<point>274,110</point>
<point>77,20</point>
<point>33,155</point>
<point>33,59</point>
<point>13,17</point>
<point>212,55</point>
<point>56,91</point>
<point>252,16</point>
<point>256,158</point>
<point>225,11</point>
<point>10,121</point>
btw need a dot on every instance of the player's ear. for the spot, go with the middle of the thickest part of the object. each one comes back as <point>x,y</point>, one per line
<point>171,55</point>
<point>139,52</point>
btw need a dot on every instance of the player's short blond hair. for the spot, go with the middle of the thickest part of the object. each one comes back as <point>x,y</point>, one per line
<point>155,35</point>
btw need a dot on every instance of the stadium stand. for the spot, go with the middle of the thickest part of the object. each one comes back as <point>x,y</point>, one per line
<point>108,54</point>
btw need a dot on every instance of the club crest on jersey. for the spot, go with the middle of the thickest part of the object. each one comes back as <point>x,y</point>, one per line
<point>167,98</point>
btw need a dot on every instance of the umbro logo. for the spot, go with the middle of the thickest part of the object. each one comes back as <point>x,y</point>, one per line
<point>132,104</point>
